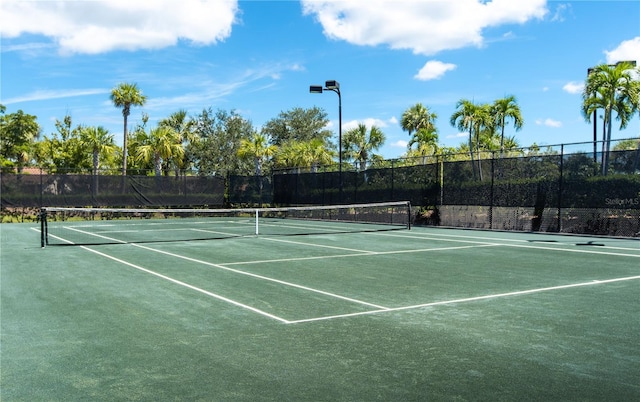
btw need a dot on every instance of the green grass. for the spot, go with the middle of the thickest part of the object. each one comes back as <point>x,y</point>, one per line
<point>78,325</point>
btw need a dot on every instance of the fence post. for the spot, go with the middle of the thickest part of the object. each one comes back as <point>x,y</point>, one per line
<point>560,189</point>
<point>493,159</point>
<point>184,185</point>
<point>393,181</point>
<point>41,189</point>
<point>441,181</point>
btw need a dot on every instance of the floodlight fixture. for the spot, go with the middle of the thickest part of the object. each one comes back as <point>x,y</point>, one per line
<point>332,85</point>
<point>631,62</point>
<point>315,89</point>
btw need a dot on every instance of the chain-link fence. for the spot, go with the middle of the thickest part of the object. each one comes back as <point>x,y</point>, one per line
<point>557,189</point>
<point>40,188</point>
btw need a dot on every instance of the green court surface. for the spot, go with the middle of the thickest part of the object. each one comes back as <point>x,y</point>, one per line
<point>404,315</point>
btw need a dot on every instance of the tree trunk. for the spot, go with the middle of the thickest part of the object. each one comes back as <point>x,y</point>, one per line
<point>158,165</point>
<point>96,163</point>
<point>258,166</point>
<point>502,140</point>
<point>636,162</point>
<point>607,144</point>
<point>473,166</point>
<point>479,157</point>
<point>124,148</point>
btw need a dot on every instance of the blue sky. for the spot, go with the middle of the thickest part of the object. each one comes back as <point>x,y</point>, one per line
<point>259,58</point>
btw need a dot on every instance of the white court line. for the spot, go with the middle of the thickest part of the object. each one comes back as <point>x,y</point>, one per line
<point>265,278</point>
<point>562,249</point>
<point>139,231</point>
<point>318,257</point>
<point>197,289</point>
<point>468,299</point>
<point>284,282</point>
<point>494,239</point>
<point>577,250</point>
<point>319,245</point>
<point>323,257</point>
<point>95,234</point>
<point>218,232</point>
<point>564,236</point>
<point>55,237</point>
<point>381,309</point>
<point>358,253</point>
<point>186,285</point>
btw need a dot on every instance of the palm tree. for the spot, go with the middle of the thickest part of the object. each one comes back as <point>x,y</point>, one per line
<point>257,148</point>
<point>503,109</point>
<point>98,141</point>
<point>512,146</point>
<point>317,152</point>
<point>185,127</point>
<point>473,118</point>
<point>288,155</point>
<point>637,109</point>
<point>359,146</point>
<point>462,119</point>
<point>308,154</point>
<point>426,140</point>
<point>417,117</point>
<point>124,96</point>
<point>612,88</point>
<point>162,143</point>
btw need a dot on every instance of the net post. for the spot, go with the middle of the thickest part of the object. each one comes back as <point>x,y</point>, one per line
<point>44,236</point>
<point>257,214</point>
<point>408,215</point>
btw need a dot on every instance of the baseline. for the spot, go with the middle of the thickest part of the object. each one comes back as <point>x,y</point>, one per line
<point>468,299</point>
<point>562,247</point>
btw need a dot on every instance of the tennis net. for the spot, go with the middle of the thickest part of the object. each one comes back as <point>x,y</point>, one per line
<point>92,226</point>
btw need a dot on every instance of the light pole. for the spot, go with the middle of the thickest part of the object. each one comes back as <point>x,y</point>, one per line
<point>595,129</point>
<point>334,86</point>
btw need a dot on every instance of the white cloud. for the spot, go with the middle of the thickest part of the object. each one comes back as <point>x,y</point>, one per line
<point>458,135</point>
<point>627,50</point>
<point>101,26</point>
<point>433,69</point>
<point>209,91</point>
<point>26,47</point>
<point>54,94</point>
<point>549,123</point>
<point>369,122</point>
<point>561,10</point>
<point>297,67</point>
<point>400,144</point>
<point>424,27</point>
<point>349,125</point>
<point>573,87</point>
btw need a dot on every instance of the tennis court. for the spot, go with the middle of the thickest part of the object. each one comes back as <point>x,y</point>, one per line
<point>335,315</point>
